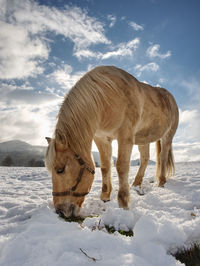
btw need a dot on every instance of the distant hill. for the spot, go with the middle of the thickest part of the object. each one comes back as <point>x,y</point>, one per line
<point>14,145</point>
<point>20,153</point>
<point>132,163</point>
<point>135,162</point>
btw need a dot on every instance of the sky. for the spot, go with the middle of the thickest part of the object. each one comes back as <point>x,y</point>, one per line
<point>46,46</point>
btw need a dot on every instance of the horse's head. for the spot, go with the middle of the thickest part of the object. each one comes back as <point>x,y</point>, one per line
<point>72,177</point>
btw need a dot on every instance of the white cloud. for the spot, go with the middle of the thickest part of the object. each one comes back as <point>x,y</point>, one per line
<point>27,114</point>
<point>24,25</point>
<point>189,126</point>
<point>148,67</point>
<point>153,51</point>
<point>86,53</point>
<point>136,26</point>
<point>64,77</point>
<point>112,20</point>
<point>12,95</point>
<point>123,49</point>
<point>187,116</point>
<point>20,55</point>
<point>189,121</point>
<point>71,22</point>
<point>26,124</point>
<point>186,152</point>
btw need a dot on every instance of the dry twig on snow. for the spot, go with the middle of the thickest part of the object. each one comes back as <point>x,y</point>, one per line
<point>91,258</point>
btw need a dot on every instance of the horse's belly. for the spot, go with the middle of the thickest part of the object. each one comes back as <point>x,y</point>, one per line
<point>147,135</point>
<point>141,140</point>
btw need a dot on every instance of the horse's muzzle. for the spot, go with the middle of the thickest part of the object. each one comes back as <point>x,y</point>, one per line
<point>67,210</point>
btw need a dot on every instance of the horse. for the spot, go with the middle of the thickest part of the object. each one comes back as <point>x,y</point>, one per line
<point>108,103</point>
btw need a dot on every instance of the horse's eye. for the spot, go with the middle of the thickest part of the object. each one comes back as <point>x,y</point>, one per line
<point>60,171</point>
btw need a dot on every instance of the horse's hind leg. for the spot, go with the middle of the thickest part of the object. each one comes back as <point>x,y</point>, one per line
<point>122,165</point>
<point>165,163</point>
<point>105,149</point>
<point>144,159</point>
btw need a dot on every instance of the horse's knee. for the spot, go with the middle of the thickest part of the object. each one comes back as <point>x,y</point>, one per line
<point>122,168</point>
<point>104,171</point>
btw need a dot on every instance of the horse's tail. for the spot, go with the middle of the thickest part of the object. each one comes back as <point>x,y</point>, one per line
<point>170,167</point>
<point>170,163</point>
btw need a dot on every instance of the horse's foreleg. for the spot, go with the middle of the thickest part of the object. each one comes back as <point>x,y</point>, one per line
<point>144,159</point>
<point>105,149</point>
<point>122,165</point>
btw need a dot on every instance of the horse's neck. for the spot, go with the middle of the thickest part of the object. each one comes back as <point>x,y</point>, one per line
<point>86,156</point>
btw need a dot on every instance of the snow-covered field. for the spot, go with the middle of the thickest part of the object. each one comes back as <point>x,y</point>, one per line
<point>163,220</point>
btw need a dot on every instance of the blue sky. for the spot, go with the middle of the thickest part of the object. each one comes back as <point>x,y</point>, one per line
<point>46,46</point>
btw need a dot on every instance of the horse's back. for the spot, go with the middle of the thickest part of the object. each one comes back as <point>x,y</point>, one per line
<point>151,110</point>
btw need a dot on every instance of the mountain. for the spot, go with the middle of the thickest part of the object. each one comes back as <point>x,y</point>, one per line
<point>134,162</point>
<point>20,153</point>
<point>14,145</point>
<point>96,158</point>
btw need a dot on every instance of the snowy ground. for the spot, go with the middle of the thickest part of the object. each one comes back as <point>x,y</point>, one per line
<point>162,220</point>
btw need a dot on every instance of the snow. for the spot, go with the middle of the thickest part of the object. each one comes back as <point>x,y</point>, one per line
<point>163,220</point>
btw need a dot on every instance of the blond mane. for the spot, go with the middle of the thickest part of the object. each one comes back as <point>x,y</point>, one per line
<point>82,106</point>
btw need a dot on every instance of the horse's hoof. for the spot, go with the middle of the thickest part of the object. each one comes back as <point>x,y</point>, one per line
<point>106,200</point>
<point>105,197</point>
<point>139,190</point>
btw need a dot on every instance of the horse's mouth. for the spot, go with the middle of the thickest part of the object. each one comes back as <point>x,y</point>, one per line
<point>67,210</point>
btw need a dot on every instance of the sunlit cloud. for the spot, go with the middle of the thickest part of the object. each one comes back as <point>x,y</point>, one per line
<point>65,78</point>
<point>26,23</point>
<point>86,53</point>
<point>123,49</point>
<point>154,51</point>
<point>154,67</point>
<point>189,126</point>
<point>186,152</point>
<point>117,51</point>
<point>23,59</point>
<point>27,123</point>
<point>26,114</point>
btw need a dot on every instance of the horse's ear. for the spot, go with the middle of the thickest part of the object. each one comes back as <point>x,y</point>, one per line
<point>48,140</point>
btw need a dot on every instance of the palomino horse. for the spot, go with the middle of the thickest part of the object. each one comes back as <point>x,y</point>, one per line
<point>108,103</point>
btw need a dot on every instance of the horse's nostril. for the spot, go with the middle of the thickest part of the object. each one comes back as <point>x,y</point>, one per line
<point>60,213</point>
